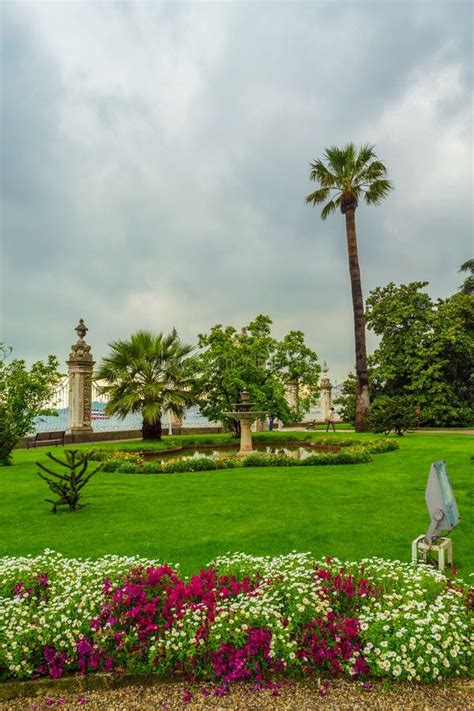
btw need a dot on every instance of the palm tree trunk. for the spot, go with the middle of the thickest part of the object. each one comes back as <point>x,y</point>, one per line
<point>363,397</point>
<point>151,430</point>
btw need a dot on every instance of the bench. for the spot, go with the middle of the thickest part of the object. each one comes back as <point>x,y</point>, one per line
<point>46,438</point>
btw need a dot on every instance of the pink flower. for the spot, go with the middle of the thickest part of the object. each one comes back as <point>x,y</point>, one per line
<point>221,691</point>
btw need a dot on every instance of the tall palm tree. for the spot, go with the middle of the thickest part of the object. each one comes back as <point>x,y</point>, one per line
<point>147,374</point>
<point>344,177</point>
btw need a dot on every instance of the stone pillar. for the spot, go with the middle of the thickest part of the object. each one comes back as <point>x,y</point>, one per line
<point>80,367</point>
<point>245,436</point>
<point>292,395</point>
<point>326,392</point>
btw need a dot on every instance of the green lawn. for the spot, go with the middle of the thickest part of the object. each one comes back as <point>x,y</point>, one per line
<point>349,511</point>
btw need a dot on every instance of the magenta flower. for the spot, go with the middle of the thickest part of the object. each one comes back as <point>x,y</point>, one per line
<point>186,697</point>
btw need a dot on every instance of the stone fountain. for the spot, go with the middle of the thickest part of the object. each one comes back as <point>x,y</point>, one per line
<point>246,417</point>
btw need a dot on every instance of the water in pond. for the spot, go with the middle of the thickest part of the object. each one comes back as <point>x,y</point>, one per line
<point>296,451</point>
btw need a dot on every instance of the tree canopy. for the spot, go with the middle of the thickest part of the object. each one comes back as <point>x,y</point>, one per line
<point>24,396</point>
<point>425,353</point>
<point>252,359</point>
<point>467,287</point>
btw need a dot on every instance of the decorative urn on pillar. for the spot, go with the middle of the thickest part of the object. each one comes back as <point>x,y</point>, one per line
<point>80,367</point>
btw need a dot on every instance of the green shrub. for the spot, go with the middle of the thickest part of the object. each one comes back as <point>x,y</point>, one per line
<point>381,446</point>
<point>393,413</point>
<point>354,455</point>
<point>110,465</point>
<point>228,463</point>
<point>118,455</point>
<point>129,468</point>
<point>256,460</point>
<point>67,485</point>
<point>98,455</point>
<point>200,464</point>
<point>152,468</point>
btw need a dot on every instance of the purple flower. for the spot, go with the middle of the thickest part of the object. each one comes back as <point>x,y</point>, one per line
<point>186,697</point>
<point>221,690</point>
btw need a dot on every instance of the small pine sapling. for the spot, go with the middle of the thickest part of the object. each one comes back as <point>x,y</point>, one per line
<point>68,486</point>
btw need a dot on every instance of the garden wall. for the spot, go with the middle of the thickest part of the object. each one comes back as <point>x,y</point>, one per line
<point>128,434</point>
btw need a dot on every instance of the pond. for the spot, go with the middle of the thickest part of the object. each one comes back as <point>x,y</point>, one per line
<point>295,451</point>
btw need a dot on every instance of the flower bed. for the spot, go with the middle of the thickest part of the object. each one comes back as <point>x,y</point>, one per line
<point>241,618</point>
<point>351,451</point>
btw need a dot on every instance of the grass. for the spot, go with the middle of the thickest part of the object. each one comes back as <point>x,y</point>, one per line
<point>349,511</point>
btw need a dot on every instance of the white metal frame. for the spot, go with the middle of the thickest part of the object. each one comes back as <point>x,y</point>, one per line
<point>443,547</point>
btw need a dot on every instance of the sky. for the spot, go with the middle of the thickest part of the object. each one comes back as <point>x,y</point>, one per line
<point>155,160</point>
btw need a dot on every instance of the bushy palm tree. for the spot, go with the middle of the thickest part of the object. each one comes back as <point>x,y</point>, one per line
<point>345,176</point>
<point>147,374</point>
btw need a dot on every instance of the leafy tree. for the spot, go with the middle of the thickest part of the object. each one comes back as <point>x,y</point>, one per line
<point>297,367</point>
<point>450,355</point>
<point>24,395</point>
<point>347,399</point>
<point>344,177</point>
<point>252,359</point>
<point>426,351</point>
<point>467,287</point>
<point>402,316</point>
<point>148,374</point>
<point>425,354</point>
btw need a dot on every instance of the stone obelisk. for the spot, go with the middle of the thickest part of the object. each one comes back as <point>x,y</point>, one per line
<point>80,367</point>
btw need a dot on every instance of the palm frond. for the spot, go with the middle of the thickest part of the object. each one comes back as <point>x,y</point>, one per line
<point>327,209</point>
<point>365,154</point>
<point>152,411</point>
<point>341,161</point>
<point>377,191</point>
<point>374,171</point>
<point>320,173</point>
<point>318,196</point>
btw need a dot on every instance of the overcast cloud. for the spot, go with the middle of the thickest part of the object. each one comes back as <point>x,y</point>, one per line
<point>156,157</point>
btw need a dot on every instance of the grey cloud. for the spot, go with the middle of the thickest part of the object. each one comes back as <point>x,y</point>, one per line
<point>158,157</point>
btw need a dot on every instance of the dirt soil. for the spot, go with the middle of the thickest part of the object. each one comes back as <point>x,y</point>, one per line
<point>335,695</point>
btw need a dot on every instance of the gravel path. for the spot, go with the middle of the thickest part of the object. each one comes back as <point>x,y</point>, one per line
<point>337,695</point>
